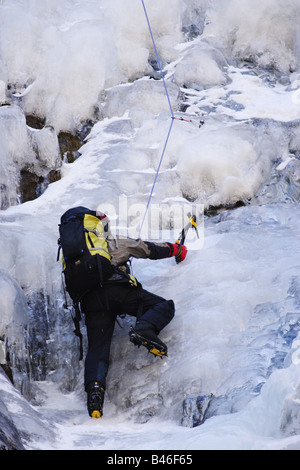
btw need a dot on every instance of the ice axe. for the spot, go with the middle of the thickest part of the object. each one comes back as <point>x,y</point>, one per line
<point>192,223</point>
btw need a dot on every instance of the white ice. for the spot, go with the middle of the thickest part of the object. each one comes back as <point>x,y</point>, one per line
<point>237,293</point>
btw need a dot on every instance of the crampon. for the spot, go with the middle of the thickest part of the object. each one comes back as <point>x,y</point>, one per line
<point>150,341</point>
<point>95,400</point>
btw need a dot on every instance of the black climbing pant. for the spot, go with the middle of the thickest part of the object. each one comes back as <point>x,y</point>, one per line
<point>101,308</point>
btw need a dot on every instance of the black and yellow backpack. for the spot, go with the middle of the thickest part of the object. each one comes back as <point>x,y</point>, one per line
<point>85,257</point>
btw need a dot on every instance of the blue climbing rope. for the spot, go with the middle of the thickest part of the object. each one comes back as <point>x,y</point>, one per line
<point>171,125</point>
<point>156,176</point>
<point>157,58</point>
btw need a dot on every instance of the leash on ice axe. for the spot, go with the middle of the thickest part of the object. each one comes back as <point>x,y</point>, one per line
<point>182,236</point>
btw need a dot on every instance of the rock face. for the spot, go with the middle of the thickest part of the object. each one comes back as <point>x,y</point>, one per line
<point>20,423</point>
<point>194,410</point>
<point>32,153</point>
<point>9,436</point>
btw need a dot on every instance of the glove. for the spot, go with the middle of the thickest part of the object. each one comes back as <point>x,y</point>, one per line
<point>177,250</point>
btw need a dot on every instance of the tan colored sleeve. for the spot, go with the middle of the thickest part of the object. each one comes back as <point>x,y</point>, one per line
<point>121,250</point>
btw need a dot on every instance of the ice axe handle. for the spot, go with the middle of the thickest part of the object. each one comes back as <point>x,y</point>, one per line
<point>191,223</point>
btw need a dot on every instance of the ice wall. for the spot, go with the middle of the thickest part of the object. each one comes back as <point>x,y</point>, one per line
<point>61,57</point>
<point>260,32</point>
<point>227,63</point>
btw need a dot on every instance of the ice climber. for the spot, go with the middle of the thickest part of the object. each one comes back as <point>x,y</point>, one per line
<point>122,294</point>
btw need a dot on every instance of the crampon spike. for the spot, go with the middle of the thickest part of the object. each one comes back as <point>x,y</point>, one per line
<point>158,350</point>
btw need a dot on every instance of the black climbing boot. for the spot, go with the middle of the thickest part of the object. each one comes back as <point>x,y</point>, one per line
<point>149,340</point>
<point>95,398</point>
